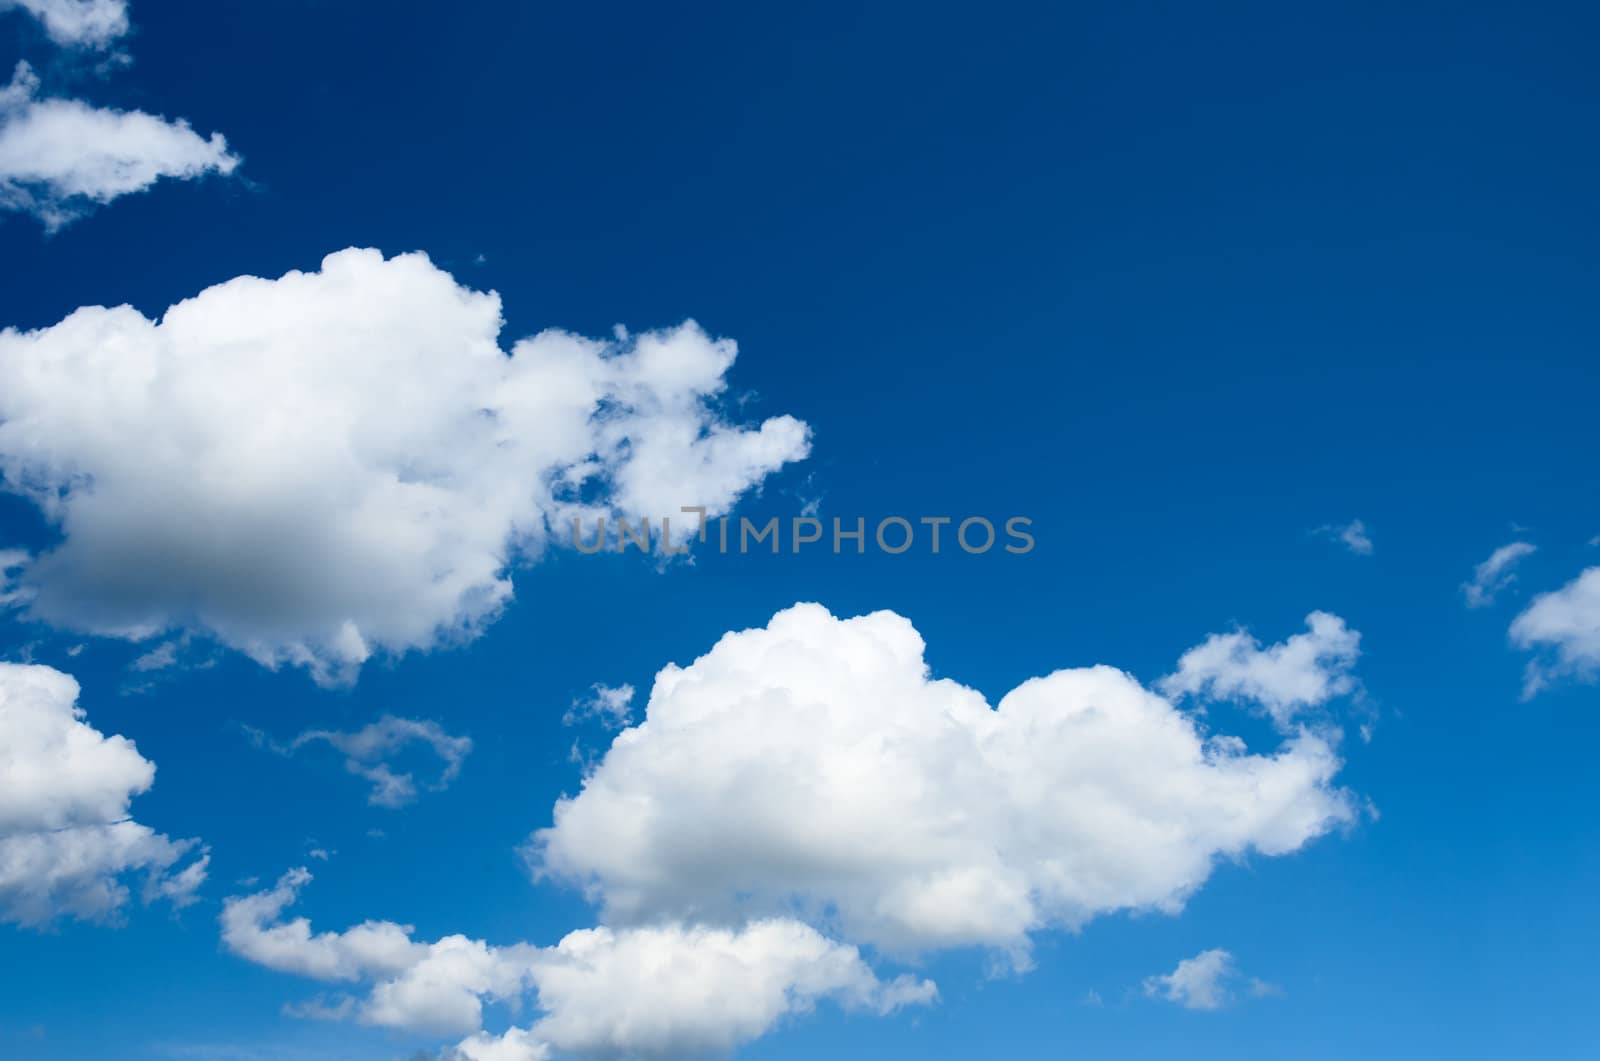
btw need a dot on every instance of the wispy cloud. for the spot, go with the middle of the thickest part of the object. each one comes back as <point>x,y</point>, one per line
<point>369,753</point>
<point>611,706</point>
<point>1352,536</point>
<point>1495,574</point>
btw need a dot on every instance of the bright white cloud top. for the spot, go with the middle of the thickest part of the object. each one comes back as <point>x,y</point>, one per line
<point>60,158</point>
<point>331,464</point>
<point>812,767</point>
<point>67,843</point>
<point>659,991</point>
<point>1567,622</point>
<point>1306,671</point>
<point>77,23</point>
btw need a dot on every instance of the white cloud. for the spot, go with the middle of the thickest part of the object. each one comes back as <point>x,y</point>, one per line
<point>676,991</point>
<point>161,657</point>
<point>66,841</point>
<point>252,930</point>
<point>611,706</point>
<point>517,1044</point>
<point>1303,672</point>
<point>1352,535</point>
<point>369,752</point>
<point>60,158</point>
<point>1202,982</point>
<point>656,991</point>
<point>77,23</point>
<point>813,767</point>
<point>333,464</point>
<point>1566,621</point>
<point>1495,574</point>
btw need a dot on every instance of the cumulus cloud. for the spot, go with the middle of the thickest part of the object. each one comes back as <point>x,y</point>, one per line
<point>655,991</point>
<point>813,768</point>
<point>338,463</point>
<point>1210,980</point>
<point>1495,574</point>
<point>60,158</point>
<point>1352,536</point>
<point>66,840</point>
<point>1303,672</point>
<point>1567,623</point>
<point>370,753</point>
<point>77,23</point>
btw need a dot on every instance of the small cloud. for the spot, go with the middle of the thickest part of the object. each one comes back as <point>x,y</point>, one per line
<point>1287,678</point>
<point>1352,535</point>
<point>61,158</point>
<point>1495,574</point>
<point>90,24</point>
<point>611,706</point>
<point>1263,989</point>
<point>1092,998</point>
<point>161,657</point>
<point>1208,981</point>
<point>1565,625</point>
<point>368,753</point>
<point>148,670</point>
<point>321,1008</point>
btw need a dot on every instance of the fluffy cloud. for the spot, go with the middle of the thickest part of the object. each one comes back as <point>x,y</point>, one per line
<point>369,753</point>
<point>336,463</point>
<point>1303,672</point>
<point>657,991</point>
<point>1566,621</point>
<point>814,767</point>
<point>1495,574</point>
<point>676,991</point>
<point>60,158</point>
<point>77,23</point>
<point>66,840</point>
<point>1207,981</point>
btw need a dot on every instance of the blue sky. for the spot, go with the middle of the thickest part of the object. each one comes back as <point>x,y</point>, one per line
<point>1191,291</point>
